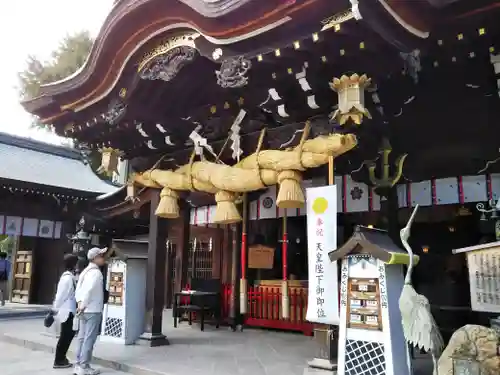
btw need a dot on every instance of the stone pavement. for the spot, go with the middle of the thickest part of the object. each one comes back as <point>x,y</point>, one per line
<point>17,310</point>
<point>16,360</point>
<point>192,352</point>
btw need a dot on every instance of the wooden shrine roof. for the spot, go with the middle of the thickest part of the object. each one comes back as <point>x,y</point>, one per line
<point>28,161</point>
<point>374,242</point>
<point>107,104</point>
<point>238,27</point>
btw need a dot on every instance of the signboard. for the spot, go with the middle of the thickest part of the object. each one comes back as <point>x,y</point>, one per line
<point>261,257</point>
<point>323,294</point>
<point>484,279</point>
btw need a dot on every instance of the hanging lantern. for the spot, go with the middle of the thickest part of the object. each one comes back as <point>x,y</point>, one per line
<point>109,161</point>
<point>131,192</point>
<point>351,93</point>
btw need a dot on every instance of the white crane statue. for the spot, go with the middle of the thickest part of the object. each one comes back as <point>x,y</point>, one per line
<point>419,327</point>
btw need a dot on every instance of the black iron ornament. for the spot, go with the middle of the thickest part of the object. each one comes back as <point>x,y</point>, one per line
<point>115,113</point>
<point>386,180</point>
<point>233,71</point>
<point>166,66</point>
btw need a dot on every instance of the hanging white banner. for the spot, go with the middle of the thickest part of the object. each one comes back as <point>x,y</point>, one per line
<point>323,295</point>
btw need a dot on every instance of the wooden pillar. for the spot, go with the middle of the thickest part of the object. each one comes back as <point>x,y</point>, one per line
<point>155,279</point>
<point>226,255</point>
<point>217,254</point>
<point>182,251</point>
<point>169,281</point>
<point>234,311</point>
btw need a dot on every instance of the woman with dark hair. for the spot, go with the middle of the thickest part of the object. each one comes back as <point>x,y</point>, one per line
<point>64,309</point>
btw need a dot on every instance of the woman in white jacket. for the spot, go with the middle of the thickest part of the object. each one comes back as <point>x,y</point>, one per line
<point>64,308</point>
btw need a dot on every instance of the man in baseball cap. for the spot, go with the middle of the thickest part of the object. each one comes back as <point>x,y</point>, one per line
<point>90,303</point>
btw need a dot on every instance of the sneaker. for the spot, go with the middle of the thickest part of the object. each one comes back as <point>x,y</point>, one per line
<point>62,365</point>
<point>91,371</point>
<point>77,370</point>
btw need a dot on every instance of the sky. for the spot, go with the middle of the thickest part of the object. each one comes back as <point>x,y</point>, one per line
<point>35,27</point>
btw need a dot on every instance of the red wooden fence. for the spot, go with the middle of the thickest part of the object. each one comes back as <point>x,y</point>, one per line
<point>264,308</point>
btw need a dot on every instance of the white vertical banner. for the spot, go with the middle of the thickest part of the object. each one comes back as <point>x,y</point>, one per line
<point>323,294</point>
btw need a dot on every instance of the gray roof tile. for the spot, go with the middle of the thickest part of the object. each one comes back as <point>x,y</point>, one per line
<point>38,163</point>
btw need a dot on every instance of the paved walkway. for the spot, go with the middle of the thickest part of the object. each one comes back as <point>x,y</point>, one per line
<point>213,352</point>
<point>17,310</point>
<point>16,360</point>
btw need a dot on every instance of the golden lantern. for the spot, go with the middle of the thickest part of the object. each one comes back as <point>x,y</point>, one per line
<point>131,192</point>
<point>351,93</point>
<point>109,161</point>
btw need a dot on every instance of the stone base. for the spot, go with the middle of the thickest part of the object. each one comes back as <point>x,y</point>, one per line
<point>323,364</point>
<point>153,340</point>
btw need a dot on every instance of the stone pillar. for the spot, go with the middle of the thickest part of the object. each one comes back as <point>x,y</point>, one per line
<point>155,282</point>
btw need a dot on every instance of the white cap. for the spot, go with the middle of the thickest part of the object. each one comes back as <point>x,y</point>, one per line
<point>96,251</point>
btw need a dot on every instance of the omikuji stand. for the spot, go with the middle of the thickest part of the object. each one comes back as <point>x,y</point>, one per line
<point>371,334</point>
<point>124,314</point>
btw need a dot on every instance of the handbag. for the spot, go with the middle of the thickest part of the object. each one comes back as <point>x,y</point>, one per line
<point>49,319</point>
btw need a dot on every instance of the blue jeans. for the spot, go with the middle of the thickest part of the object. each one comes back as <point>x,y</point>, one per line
<point>87,336</point>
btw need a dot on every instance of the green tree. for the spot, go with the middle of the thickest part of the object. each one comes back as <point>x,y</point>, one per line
<point>65,60</point>
<point>7,244</point>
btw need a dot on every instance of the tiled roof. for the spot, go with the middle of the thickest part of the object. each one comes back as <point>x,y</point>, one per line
<point>39,163</point>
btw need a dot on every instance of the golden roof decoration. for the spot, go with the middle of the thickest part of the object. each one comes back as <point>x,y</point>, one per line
<point>351,101</point>
<point>166,45</point>
<point>109,162</point>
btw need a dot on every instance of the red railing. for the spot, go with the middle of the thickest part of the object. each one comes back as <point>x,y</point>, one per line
<point>264,308</point>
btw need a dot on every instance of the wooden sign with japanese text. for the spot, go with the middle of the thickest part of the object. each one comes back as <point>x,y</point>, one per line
<point>260,257</point>
<point>484,279</point>
<point>323,293</point>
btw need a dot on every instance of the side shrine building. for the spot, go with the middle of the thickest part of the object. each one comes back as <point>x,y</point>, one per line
<point>228,110</point>
<point>44,190</point>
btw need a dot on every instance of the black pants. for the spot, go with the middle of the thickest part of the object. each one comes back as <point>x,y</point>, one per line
<point>65,338</point>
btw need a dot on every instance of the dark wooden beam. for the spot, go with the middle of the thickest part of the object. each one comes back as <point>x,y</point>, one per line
<point>182,251</point>
<point>155,280</point>
<point>144,196</point>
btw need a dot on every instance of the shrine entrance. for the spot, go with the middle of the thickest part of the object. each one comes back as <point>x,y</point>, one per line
<point>21,279</point>
<point>204,258</point>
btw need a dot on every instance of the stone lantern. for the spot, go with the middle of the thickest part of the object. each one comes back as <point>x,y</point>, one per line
<point>81,243</point>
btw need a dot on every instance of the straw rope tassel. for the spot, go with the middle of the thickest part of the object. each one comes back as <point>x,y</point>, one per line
<point>168,207</point>
<point>290,192</point>
<point>285,300</point>
<point>243,280</point>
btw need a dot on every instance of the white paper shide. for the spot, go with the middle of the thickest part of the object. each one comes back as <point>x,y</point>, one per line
<point>323,300</point>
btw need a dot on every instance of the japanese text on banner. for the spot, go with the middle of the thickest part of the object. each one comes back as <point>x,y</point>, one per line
<point>322,239</point>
